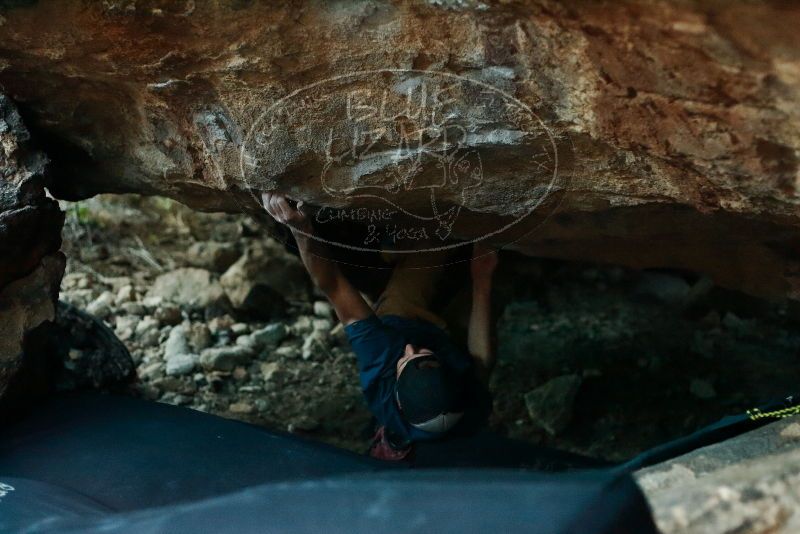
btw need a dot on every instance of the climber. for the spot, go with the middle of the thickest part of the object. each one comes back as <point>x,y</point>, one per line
<point>417,383</point>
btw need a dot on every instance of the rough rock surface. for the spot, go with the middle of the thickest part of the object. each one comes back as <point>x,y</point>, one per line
<point>31,265</point>
<point>85,353</point>
<point>189,286</point>
<point>674,124</point>
<point>264,279</point>
<point>746,484</point>
<point>550,405</point>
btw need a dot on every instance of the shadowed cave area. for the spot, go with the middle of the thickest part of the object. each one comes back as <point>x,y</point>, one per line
<point>634,164</point>
<point>594,359</point>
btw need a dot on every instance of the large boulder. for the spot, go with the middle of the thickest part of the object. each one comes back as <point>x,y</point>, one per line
<point>265,279</point>
<point>188,286</point>
<point>31,265</point>
<point>647,134</point>
<point>747,484</point>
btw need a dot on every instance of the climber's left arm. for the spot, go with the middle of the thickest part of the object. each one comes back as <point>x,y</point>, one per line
<point>480,335</point>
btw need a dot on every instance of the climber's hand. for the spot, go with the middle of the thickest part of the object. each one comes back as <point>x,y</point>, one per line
<point>279,207</point>
<point>484,261</point>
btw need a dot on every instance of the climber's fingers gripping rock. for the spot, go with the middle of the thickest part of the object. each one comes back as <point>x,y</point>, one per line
<point>282,210</point>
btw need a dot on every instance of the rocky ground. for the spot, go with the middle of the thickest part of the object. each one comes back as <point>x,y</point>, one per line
<point>599,360</point>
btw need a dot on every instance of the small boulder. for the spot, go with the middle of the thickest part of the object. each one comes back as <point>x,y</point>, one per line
<point>220,324</point>
<point>199,336</point>
<point>270,371</point>
<point>270,335</point>
<point>246,341</point>
<point>147,332</point>
<point>289,352</point>
<point>125,326</point>
<point>225,358</point>
<point>322,324</point>
<point>125,294</point>
<point>264,279</point>
<point>151,370</point>
<point>241,408</point>
<point>315,345</point>
<point>212,255</point>
<point>177,342</point>
<point>240,374</point>
<point>190,287</point>
<point>132,308</point>
<point>303,325</point>
<point>101,306</point>
<point>168,314</point>
<point>181,364</point>
<point>238,329</point>
<point>173,384</point>
<point>550,405</point>
<point>151,303</point>
<point>323,309</point>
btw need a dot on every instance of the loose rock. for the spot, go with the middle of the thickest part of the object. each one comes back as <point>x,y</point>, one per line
<point>240,374</point>
<point>181,364</point>
<point>220,324</point>
<point>241,407</point>
<point>212,255</point>
<point>323,309</point>
<point>550,405</point>
<point>125,294</point>
<point>147,332</point>
<point>101,306</point>
<point>262,281</point>
<point>125,326</point>
<point>199,336</point>
<point>151,371</point>
<point>315,344</point>
<point>168,314</point>
<point>270,371</point>
<point>246,341</point>
<point>190,287</point>
<point>174,384</point>
<point>225,358</point>
<point>270,335</point>
<point>239,328</point>
<point>132,308</point>
<point>289,352</point>
<point>177,343</point>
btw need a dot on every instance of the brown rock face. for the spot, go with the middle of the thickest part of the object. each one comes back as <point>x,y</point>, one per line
<point>657,135</point>
<point>30,235</point>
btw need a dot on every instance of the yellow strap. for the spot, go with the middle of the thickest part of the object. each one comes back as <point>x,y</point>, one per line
<point>755,413</point>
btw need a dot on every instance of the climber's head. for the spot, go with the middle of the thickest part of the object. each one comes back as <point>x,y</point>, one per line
<point>428,392</point>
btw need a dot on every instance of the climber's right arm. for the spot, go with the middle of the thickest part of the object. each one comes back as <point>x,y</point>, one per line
<point>348,303</point>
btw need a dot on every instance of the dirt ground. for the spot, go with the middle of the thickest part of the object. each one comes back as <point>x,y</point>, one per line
<point>592,359</point>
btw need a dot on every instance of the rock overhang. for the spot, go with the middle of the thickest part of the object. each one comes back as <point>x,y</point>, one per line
<point>674,126</point>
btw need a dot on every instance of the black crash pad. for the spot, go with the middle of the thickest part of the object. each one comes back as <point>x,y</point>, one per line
<point>94,463</point>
